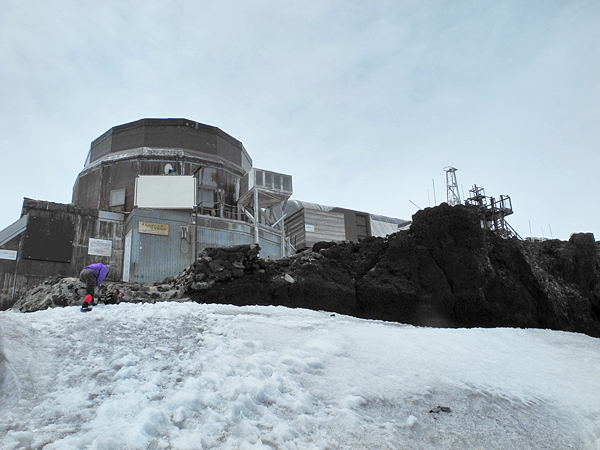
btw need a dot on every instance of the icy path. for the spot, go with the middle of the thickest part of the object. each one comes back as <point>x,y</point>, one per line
<point>189,376</point>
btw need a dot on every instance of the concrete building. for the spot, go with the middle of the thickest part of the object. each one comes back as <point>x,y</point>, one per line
<point>151,196</point>
<point>308,223</point>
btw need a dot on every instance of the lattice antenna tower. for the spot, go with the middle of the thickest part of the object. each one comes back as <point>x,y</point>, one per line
<point>452,186</point>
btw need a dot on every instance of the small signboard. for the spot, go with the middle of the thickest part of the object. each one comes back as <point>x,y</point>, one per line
<point>100,247</point>
<point>309,228</point>
<point>127,257</point>
<point>8,254</point>
<point>153,228</point>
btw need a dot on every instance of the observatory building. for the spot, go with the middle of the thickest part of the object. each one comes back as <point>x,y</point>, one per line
<point>152,195</point>
<point>159,148</point>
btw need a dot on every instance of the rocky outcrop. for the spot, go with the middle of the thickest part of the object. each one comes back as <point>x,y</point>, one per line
<point>444,271</point>
<point>60,292</point>
<point>213,265</point>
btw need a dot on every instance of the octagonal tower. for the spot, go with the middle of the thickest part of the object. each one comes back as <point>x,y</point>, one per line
<point>163,147</point>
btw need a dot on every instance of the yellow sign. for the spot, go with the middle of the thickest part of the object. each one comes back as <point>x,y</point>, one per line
<point>153,228</point>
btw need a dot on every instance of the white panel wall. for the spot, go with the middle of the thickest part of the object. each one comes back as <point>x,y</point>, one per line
<point>165,191</point>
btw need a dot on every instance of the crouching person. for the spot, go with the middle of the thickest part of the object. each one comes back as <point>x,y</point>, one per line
<point>93,276</point>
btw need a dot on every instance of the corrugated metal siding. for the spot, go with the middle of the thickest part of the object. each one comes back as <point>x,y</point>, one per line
<point>328,226</point>
<point>382,229</point>
<point>270,244</point>
<point>356,224</point>
<point>295,230</point>
<point>382,226</point>
<point>309,226</point>
<point>210,237</point>
<point>160,256</point>
<point>154,257</point>
<point>229,234</point>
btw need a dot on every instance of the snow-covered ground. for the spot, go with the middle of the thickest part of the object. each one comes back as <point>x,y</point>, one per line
<point>190,376</point>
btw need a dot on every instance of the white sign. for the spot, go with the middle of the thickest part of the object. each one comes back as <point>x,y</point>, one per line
<point>8,254</point>
<point>310,228</point>
<point>127,257</point>
<point>100,247</point>
<point>165,191</point>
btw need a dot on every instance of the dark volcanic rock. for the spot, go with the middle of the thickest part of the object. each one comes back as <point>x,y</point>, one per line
<point>445,271</point>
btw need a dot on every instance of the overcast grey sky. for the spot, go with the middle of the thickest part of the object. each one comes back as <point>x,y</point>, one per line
<point>363,102</point>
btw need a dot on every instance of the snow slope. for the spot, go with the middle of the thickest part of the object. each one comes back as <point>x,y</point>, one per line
<point>190,376</point>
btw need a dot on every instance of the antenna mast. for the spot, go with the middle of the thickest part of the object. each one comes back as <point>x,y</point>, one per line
<point>452,186</point>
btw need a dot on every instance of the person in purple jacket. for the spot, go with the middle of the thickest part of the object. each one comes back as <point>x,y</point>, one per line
<point>93,276</point>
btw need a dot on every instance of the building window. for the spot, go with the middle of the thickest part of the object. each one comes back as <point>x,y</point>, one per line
<point>209,176</point>
<point>259,178</point>
<point>287,183</point>
<point>117,197</point>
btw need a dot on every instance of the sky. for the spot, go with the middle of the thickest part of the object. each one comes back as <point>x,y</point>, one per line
<point>363,103</point>
<point>188,376</point>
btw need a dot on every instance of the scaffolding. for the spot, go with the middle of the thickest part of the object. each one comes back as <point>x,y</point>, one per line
<point>453,196</point>
<point>493,212</point>
<point>263,196</point>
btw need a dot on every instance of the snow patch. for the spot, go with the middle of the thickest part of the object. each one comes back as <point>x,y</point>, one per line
<point>190,376</point>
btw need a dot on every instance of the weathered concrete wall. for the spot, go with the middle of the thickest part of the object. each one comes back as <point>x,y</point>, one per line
<point>48,253</point>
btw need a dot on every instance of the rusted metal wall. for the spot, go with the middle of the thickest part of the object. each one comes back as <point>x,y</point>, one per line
<point>101,145</point>
<point>118,175</point>
<point>219,185</point>
<point>125,139</point>
<point>171,134</point>
<point>86,191</point>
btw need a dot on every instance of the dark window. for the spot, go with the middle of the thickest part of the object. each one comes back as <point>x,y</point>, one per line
<point>287,183</point>
<point>259,178</point>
